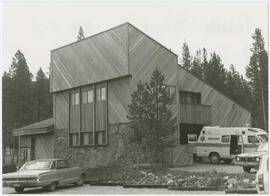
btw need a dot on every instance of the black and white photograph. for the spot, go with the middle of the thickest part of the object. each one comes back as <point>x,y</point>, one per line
<point>134,97</point>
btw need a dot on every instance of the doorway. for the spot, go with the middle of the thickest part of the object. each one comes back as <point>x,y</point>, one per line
<point>235,145</point>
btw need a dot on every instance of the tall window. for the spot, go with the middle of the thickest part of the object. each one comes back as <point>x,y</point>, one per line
<point>189,97</point>
<point>88,116</point>
<point>87,112</point>
<point>101,120</point>
<point>75,117</point>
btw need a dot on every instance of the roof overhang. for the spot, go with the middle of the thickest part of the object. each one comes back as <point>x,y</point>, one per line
<point>42,127</point>
<point>20,132</point>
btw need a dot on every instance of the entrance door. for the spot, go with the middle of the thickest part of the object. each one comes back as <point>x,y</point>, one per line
<point>236,145</point>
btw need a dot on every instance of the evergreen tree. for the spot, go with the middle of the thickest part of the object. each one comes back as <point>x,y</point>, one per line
<point>214,72</point>
<point>8,110</point>
<point>80,34</point>
<point>150,116</point>
<point>43,98</point>
<point>22,93</point>
<point>257,73</point>
<point>196,66</point>
<point>186,57</point>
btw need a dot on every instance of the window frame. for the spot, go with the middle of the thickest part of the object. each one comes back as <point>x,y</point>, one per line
<point>93,88</point>
<point>192,95</point>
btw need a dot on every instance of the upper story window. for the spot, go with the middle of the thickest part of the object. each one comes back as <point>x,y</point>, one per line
<point>101,94</point>
<point>88,96</point>
<point>75,98</point>
<point>189,97</point>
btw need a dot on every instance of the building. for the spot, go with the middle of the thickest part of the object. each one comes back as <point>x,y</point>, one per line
<point>92,81</point>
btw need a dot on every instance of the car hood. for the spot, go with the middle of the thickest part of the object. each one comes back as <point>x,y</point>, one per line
<point>251,154</point>
<point>28,173</point>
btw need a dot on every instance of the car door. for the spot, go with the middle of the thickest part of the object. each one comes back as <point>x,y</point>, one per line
<point>67,174</point>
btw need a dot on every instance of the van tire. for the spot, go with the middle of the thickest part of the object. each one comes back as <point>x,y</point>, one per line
<point>214,158</point>
<point>246,169</point>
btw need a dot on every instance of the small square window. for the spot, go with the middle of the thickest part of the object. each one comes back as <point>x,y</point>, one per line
<point>100,137</point>
<point>87,138</point>
<point>90,96</point>
<point>77,99</point>
<point>103,93</point>
<point>253,140</point>
<point>74,139</point>
<point>225,139</point>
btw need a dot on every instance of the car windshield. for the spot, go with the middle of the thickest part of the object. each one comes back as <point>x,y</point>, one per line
<point>263,147</point>
<point>37,165</point>
<point>263,138</point>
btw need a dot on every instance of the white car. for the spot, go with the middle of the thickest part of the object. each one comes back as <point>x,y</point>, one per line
<point>251,159</point>
<point>262,176</point>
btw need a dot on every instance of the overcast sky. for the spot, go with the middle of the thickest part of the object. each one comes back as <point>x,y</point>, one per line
<point>38,27</point>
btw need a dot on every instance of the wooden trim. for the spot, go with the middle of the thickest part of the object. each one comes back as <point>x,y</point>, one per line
<point>95,83</point>
<point>69,126</point>
<point>95,114</point>
<point>107,114</point>
<point>80,105</point>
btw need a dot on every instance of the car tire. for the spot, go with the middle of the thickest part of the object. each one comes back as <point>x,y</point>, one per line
<point>246,169</point>
<point>227,160</point>
<point>81,180</point>
<point>214,158</point>
<point>51,187</point>
<point>19,189</point>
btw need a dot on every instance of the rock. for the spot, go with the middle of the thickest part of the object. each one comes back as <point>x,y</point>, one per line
<point>143,172</point>
<point>226,177</point>
<point>246,180</point>
<point>170,181</point>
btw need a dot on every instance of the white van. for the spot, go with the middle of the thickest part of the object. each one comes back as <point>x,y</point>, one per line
<point>223,143</point>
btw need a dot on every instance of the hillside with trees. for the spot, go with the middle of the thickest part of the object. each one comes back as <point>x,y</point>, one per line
<point>251,93</point>
<point>24,100</point>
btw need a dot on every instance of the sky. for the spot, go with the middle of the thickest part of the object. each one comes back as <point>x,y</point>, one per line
<point>36,28</point>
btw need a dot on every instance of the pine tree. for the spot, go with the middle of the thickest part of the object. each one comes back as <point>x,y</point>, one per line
<point>257,73</point>
<point>43,98</point>
<point>196,66</point>
<point>186,57</point>
<point>150,116</point>
<point>22,90</point>
<point>80,34</point>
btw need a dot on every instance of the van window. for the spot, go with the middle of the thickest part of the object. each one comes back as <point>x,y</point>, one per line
<point>192,137</point>
<point>225,139</point>
<point>253,139</point>
<point>263,138</point>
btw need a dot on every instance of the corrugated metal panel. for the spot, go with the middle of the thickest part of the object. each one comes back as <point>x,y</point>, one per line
<point>97,58</point>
